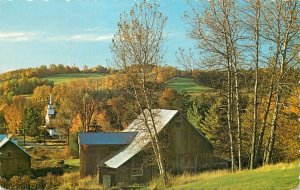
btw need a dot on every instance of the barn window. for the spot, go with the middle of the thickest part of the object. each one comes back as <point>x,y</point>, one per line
<point>9,154</point>
<point>137,171</point>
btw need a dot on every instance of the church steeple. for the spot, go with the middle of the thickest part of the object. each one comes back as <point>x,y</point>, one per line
<point>50,111</point>
<point>50,101</point>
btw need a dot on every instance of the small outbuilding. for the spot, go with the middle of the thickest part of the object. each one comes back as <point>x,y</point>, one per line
<point>14,160</point>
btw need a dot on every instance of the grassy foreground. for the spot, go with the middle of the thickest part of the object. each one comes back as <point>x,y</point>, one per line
<point>280,176</point>
<point>186,84</point>
<point>60,78</point>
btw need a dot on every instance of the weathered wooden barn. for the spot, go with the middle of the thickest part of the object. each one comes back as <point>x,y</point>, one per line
<point>97,146</point>
<point>14,160</point>
<point>184,149</point>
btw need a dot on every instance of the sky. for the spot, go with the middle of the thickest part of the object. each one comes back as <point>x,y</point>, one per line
<point>75,32</point>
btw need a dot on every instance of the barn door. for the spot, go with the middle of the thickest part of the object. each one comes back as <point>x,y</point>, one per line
<point>107,181</point>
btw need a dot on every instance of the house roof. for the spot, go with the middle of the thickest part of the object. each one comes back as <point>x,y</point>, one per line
<point>2,188</point>
<point>161,117</point>
<point>99,138</point>
<point>6,140</point>
<point>2,136</point>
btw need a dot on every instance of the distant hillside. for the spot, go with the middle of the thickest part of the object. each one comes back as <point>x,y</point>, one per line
<point>60,78</point>
<point>186,84</point>
<point>53,69</point>
<point>24,81</point>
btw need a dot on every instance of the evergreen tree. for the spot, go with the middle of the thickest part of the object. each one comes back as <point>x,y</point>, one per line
<point>74,145</point>
<point>213,127</point>
<point>197,111</point>
<point>31,122</point>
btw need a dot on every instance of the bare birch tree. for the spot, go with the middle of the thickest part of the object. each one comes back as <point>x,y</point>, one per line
<point>187,60</point>
<point>253,24</point>
<point>137,49</point>
<point>218,34</point>
<point>282,23</point>
<point>279,30</point>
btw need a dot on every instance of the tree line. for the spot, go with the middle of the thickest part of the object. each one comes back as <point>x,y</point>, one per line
<point>263,35</point>
<point>52,69</point>
<point>217,78</point>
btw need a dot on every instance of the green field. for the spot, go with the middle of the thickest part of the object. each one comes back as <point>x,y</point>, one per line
<point>280,176</point>
<point>60,78</point>
<point>186,84</point>
<point>71,165</point>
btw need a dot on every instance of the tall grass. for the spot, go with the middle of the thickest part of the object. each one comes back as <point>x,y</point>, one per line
<point>157,183</point>
<point>280,176</point>
<point>72,181</point>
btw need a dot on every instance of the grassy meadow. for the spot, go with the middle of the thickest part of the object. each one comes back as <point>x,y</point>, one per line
<point>187,84</point>
<point>282,176</point>
<point>65,78</point>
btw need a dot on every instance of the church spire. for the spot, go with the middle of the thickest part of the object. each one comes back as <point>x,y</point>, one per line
<point>50,102</point>
<point>50,110</point>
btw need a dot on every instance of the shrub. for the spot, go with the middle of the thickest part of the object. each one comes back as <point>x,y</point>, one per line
<point>34,184</point>
<point>69,181</point>
<point>44,171</point>
<point>25,180</point>
<point>40,183</point>
<point>74,145</point>
<point>15,182</point>
<point>51,181</point>
<point>4,183</point>
<point>67,152</point>
<point>72,181</point>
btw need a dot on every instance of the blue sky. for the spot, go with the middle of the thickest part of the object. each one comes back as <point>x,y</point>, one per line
<point>74,32</point>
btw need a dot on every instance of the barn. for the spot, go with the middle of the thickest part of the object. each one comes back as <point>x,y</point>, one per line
<point>97,146</point>
<point>185,149</point>
<point>14,160</point>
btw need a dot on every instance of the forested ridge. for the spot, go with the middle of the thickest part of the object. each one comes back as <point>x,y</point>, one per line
<point>108,107</point>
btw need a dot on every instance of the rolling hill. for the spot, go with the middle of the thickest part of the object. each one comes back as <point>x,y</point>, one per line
<point>60,78</point>
<point>187,84</point>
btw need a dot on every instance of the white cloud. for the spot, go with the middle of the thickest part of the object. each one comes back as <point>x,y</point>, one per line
<point>91,37</point>
<point>26,36</point>
<point>83,37</point>
<point>16,36</point>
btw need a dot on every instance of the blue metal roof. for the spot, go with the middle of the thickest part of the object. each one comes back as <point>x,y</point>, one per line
<point>106,138</point>
<point>2,136</point>
<point>6,140</point>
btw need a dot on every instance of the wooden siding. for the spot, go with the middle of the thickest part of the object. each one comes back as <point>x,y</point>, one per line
<point>14,161</point>
<point>90,155</point>
<point>192,151</point>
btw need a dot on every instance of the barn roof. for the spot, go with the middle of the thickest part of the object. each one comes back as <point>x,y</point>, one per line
<point>161,117</point>
<point>106,138</point>
<point>6,140</point>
